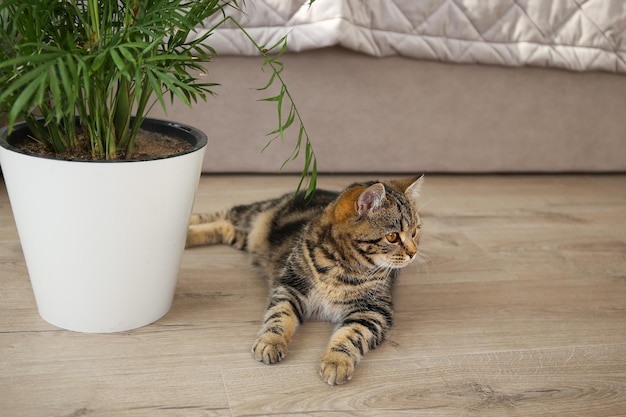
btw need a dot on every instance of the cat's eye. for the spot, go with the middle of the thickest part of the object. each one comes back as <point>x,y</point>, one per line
<point>393,237</point>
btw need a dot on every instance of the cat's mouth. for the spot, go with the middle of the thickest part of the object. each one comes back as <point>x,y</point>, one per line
<point>397,261</point>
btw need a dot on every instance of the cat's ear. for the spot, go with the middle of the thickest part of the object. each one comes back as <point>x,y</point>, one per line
<point>359,201</point>
<point>372,198</point>
<point>411,187</point>
<point>414,190</point>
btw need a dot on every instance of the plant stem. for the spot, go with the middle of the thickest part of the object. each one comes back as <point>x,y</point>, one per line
<point>309,171</point>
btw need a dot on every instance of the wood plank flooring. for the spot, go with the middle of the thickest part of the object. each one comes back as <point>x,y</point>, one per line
<point>517,308</point>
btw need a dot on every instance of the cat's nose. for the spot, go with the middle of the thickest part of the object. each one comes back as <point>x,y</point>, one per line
<point>411,251</point>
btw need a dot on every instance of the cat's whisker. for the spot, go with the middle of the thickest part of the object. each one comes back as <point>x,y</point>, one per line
<point>424,204</point>
<point>422,262</point>
<point>422,257</point>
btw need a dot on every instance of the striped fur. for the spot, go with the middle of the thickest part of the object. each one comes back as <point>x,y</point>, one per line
<point>333,258</point>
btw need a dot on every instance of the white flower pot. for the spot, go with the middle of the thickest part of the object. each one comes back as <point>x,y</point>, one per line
<point>103,240</point>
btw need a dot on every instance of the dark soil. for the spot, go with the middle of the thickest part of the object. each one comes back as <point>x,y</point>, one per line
<point>148,145</point>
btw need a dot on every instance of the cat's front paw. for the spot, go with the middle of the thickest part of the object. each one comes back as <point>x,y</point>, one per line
<point>269,348</point>
<point>336,368</point>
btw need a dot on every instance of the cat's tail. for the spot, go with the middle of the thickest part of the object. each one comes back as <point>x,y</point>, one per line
<point>197,218</point>
<point>212,229</point>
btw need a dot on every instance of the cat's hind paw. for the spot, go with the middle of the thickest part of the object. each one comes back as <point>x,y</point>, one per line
<point>269,348</point>
<point>336,368</point>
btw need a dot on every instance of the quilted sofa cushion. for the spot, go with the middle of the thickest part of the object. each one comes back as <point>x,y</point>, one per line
<point>579,35</point>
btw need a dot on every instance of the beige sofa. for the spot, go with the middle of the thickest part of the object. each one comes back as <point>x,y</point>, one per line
<point>396,114</point>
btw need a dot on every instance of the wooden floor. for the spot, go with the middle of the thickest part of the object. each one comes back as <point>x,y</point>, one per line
<point>518,308</point>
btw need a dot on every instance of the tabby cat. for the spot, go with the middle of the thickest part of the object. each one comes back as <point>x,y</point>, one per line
<point>333,258</point>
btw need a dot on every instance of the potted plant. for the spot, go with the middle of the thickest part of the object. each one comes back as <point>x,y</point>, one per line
<point>103,226</point>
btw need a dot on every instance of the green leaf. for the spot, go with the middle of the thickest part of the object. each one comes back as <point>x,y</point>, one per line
<point>174,86</point>
<point>309,171</point>
<point>168,57</point>
<point>23,102</point>
<point>282,42</point>
<point>130,58</point>
<point>312,187</point>
<point>269,83</point>
<point>98,62</point>
<point>290,119</point>
<point>57,97</point>
<point>156,87</point>
<point>68,79</point>
<point>117,59</point>
<point>29,61</point>
<point>275,98</point>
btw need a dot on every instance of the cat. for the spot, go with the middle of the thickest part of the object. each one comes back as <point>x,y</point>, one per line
<point>333,257</point>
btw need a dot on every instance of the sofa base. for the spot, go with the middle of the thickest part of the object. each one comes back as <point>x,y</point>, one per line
<point>396,115</point>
